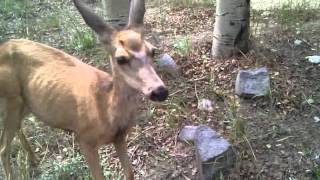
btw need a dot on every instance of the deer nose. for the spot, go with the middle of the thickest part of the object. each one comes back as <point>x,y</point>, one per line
<point>159,94</point>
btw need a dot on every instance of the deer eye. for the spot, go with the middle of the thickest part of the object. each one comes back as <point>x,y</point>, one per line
<point>121,60</point>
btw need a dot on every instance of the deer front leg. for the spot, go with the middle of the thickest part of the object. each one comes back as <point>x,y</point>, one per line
<point>121,148</point>
<point>92,157</point>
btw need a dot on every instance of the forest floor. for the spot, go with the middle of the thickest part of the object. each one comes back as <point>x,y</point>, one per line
<point>275,137</point>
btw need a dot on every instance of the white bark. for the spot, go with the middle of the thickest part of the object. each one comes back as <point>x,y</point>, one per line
<point>137,10</point>
<point>231,31</point>
<point>117,12</point>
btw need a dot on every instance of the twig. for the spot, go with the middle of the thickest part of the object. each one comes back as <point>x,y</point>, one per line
<point>285,138</point>
<point>175,92</point>
<point>185,177</point>
<point>45,154</point>
<point>198,79</point>
<point>195,90</point>
<point>254,156</point>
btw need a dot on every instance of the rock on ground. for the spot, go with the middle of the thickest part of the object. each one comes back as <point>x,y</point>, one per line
<point>254,82</point>
<point>167,64</point>
<point>214,154</point>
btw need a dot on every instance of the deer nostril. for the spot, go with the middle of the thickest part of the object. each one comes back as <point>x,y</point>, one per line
<point>160,94</point>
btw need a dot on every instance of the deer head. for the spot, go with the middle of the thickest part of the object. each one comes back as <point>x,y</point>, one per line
<point>132,54</point>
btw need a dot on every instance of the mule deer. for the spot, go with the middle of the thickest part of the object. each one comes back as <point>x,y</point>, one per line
<point>65,93</point>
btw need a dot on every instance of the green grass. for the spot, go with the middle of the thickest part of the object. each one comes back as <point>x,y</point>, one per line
<point>16,8</point>
<point>273,4</point>
<point>83,39</point>
<point>286,14</point>
<point>52,21</point>
<point>184,3</point>
<point>316,173</point>
<point>69,168</point>
<point>293,12</point>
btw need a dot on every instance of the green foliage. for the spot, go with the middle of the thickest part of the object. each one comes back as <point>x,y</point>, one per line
<point>293,11</point>
<point>316,173</point>
<point>83,39</point>
<point>70,168</point>
<point>191,3</point>
<point>52,21</point>
<point>10,7</point>
<point>183,46</point>
<point>308,152</point>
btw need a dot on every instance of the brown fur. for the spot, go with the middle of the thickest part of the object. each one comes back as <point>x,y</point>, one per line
<point>65,93</point>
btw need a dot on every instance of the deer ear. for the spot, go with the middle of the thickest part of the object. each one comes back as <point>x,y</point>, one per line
<point>96,23</point>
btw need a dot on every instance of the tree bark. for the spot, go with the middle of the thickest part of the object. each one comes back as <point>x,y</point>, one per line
<point>117,12</point>
<point>231,31</point>
<point>137,10</point>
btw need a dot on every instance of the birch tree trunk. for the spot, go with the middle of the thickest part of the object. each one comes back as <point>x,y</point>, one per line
<point>117,11</point>
<point>231,31</point>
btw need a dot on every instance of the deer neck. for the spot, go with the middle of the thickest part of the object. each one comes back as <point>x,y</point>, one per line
<point>118,102</point>
<point>121,93</point>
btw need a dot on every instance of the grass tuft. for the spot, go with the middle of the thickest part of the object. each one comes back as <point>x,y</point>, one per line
<point>70,168</point>
<point>183,46</point>
<point>83,39</point>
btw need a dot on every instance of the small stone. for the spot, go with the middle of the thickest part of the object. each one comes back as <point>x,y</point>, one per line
<point>316,119</point>
<point>205,104</point>
<point>308,171</point>
<point>310,101</point>
<point>317,159</point>
<point>255,82</point>
<point>59,158</point>
<point>166,63</point>
<point>313,59</point>
<point>297,42</point>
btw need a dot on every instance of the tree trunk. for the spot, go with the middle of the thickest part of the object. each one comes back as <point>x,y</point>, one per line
<point>117,11</point>
<point>231,31</point>
<point>137,10</point>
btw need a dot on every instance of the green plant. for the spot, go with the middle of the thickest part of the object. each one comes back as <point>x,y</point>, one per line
<point>191,3</point>
<point>316,173</point>
<point>70,168</point>
<point>183,46</point>
<point>18,8</point>
<point>308,152</point>
<point>83,39</point>
<point>52,21</point>
<point>292,12</point>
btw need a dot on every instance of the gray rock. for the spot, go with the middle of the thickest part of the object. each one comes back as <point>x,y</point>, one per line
<point>213,153</point>
<point>255,82</point>
<point>166,63</point>
<point>317,159</point>
<point>187,133</point>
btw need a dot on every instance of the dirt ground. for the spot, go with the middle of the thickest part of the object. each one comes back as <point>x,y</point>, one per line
<point>283,137</point>
<point>275,137</point>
